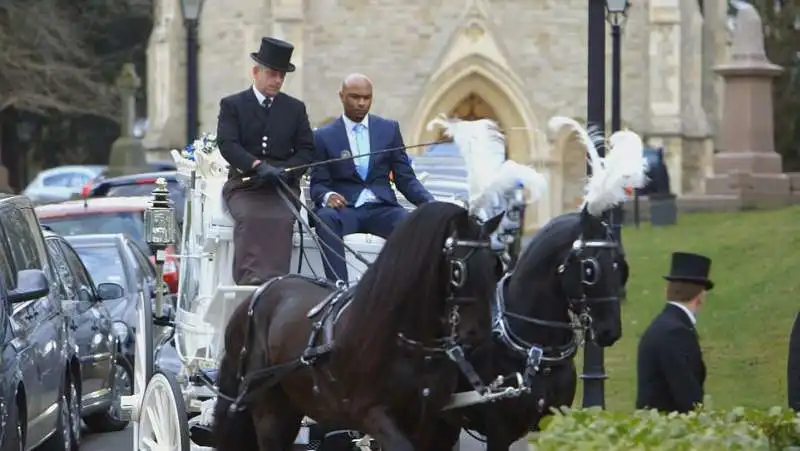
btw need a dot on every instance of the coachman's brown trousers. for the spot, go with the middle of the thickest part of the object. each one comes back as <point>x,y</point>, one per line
<point>262,237</point>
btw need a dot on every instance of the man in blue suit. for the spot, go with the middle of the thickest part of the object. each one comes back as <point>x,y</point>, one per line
<point>355,196</point>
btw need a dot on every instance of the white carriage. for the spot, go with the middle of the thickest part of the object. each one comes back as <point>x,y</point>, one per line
<point>164,405</point>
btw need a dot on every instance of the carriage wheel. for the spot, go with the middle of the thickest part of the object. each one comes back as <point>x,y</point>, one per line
<point>163,424</point>
<point>143,354</point>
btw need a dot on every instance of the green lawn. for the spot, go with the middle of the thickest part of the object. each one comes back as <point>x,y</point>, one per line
<point>745,323</point>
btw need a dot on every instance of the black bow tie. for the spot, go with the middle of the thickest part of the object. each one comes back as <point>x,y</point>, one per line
<point>266,103</point>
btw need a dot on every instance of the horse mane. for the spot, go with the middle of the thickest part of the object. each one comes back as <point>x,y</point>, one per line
<point>558,234</point>
<point>534,286</point>
<point>402,291</point>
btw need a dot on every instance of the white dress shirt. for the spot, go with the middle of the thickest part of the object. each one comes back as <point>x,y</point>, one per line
<point>261,97</point>
<point>685,309</point>
<point>366,195</point>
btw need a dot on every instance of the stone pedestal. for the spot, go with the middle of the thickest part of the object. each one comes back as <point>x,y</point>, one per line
<point>747,165</point>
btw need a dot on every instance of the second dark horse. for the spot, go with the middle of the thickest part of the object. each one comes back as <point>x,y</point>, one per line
<point>380,358</point>
<point>572,267</point>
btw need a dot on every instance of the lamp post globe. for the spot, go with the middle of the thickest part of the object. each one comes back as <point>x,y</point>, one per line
<point>617,6</point>
<point>191,9</point>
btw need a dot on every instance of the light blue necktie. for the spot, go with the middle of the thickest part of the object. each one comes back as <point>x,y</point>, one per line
<point>362,143</point>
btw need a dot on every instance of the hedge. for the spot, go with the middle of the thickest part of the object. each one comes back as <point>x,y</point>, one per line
<point>704,429</point>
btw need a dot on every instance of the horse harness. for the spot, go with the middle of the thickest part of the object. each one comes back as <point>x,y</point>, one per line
<point>327,313</point>
<point>576,272</point>
<point>449,346</point>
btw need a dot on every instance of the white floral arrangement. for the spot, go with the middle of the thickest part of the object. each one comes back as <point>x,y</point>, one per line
<point>207,143</point>
<point>202,155</point>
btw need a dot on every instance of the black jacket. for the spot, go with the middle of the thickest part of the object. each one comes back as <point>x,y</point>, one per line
<point>243,124</point>
<point>670,367</point>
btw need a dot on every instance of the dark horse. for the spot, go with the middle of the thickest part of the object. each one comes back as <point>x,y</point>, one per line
<point>572,268</point>
<point>381,358</point>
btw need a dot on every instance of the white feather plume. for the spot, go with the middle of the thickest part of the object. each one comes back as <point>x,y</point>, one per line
<point>482,146</point>
<point>624,166</point>
<point>511,175</point>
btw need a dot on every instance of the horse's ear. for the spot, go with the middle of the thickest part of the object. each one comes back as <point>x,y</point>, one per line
<point>491,224</point>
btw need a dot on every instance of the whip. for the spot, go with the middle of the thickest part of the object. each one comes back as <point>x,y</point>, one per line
<point>346,156</point>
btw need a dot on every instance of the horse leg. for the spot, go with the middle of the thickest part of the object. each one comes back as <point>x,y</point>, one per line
<point>383,429</point>
<point>276,421</point>
<point>444,437</point>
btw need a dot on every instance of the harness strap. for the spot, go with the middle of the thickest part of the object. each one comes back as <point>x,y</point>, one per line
<point>259,379</point>
<point>456,354</point>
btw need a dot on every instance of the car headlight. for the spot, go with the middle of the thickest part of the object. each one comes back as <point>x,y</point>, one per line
<point>121,330</point>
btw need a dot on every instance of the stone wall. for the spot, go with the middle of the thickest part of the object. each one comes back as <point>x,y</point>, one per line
<point>526,59</point>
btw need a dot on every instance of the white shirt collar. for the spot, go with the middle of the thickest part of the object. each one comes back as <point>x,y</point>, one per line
<point>685,309</point>
<point>349,123</point>
<point>260,97</point>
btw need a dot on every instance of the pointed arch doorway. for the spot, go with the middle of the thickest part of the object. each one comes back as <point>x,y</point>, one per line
<point>472,108</point>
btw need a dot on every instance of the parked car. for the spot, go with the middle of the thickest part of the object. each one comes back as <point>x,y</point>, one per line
<point>138,185</point>
<point>106,374</point>
<point>115,258</point>
<point>60,183</point>
<point>657,174</point>
<point>46,399</point>
<point>107,215</point>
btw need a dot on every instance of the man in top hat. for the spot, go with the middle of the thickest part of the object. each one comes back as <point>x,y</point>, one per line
<point>670,366</point>
<point>355,196</point>
<point>262,131</point>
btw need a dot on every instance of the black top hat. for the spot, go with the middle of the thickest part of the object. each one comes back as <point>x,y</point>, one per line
<point>274,54</point>
<point>691,268</point>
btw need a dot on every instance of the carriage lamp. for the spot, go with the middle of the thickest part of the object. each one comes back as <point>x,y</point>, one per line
<point>160,229</point>
<point>159,220</point>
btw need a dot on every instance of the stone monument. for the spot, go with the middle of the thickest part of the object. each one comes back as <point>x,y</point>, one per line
<point>747,166</point>
<point>127,153</point>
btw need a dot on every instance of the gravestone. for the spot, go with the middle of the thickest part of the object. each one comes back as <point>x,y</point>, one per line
<point>127,153</point>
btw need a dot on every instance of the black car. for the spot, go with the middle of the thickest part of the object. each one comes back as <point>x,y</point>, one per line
<point>139,185</point>
<point>42,391</point>
<point>106,374</point>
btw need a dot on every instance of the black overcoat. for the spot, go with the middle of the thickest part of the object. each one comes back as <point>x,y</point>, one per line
<point>670,368</point>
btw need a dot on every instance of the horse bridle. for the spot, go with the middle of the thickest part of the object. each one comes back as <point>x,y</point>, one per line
<point>579,306</point>
<point>458,277</point>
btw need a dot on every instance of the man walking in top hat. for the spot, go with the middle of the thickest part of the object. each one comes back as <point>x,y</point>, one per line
<point>670,366</point>
<point>261,131</point>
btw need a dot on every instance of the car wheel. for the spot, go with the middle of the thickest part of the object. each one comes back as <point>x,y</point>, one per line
<point>110,420</point>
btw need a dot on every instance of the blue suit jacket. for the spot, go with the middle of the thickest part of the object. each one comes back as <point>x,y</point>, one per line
<point>342,176</point>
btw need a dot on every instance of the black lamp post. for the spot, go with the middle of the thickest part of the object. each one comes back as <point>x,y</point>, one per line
<point>191,15</point>
<point>594,375</point>
<point>616,14</point>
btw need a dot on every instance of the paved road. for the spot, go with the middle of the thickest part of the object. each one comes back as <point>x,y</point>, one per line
<point>122,441</point>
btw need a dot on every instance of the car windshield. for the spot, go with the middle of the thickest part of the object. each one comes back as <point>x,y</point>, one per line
<point>128,222</point>
<point>103,262</point>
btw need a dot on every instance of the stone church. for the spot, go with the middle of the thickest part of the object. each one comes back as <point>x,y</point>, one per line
<point>519,62</point>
